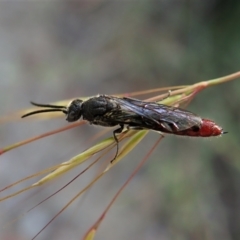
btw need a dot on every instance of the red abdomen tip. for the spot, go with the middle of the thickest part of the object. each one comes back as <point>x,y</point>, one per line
<point>209,129</point>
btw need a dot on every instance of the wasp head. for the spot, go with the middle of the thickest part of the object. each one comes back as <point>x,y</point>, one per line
<point>74,110</point>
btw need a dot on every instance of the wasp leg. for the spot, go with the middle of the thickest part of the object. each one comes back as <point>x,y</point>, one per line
<point>117,131</point>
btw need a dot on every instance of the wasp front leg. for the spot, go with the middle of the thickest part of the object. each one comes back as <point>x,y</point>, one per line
<point>117,131</point>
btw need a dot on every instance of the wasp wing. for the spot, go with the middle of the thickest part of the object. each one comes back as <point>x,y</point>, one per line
<point>173,118</point>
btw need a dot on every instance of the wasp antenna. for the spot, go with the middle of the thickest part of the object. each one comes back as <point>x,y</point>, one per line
<point>46,105</point>
<point>43,111</point>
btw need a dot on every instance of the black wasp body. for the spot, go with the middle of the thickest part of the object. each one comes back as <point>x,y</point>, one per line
<point>109,111</point>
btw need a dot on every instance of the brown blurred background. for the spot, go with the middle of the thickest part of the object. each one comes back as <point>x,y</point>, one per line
<point>55,50</point>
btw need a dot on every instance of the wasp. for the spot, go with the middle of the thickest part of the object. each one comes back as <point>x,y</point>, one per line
<point>110,111</point>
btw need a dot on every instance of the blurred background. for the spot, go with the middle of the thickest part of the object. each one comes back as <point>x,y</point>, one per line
<point>56,50</point>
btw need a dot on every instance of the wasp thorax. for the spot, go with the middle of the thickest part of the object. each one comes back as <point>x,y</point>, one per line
<point>74,110</point>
